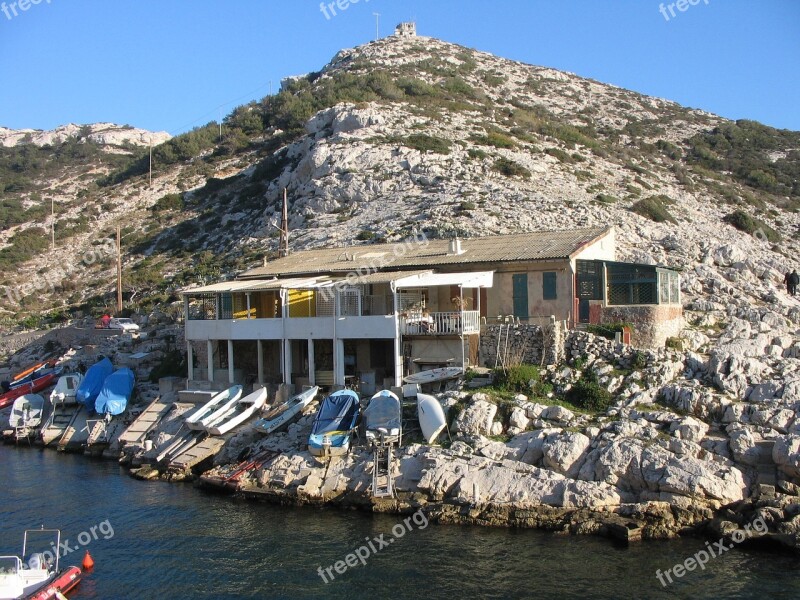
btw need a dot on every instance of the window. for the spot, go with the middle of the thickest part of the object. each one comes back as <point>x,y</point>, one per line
<point>520,295</point>
<point>549,285</point>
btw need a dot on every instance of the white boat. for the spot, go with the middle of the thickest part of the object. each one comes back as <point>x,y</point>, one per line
<point>66,388</point>
<point>433,375</point>
<point>231,395</point>
<point>284,412</point>
<point>241,411</point>
<point>383,419</point>
<point>26,412</point>
<point>431,417</point>
<point>40,577</point>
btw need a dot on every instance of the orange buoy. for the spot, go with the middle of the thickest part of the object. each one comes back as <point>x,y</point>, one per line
<point>88,561</point>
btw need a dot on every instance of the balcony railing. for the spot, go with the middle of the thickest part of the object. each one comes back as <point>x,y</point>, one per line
<point>441,323</point>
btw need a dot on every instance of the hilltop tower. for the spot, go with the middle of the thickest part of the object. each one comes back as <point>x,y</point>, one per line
<point>408,29</point>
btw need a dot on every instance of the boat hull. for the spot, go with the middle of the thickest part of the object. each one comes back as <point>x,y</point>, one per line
<point>434,375</point>
<point>194,421</point>
<point>62,583</point>
<point>246,408</point>
<point>292,407</point>
<point>431,417</point>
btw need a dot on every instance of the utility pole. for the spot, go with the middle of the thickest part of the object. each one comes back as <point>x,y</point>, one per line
<point>283,251</point>
<point>151,163</point>
<point>53,222</point>
<point>377,26</point>
<point>119,273</point>
<point>219,114</point>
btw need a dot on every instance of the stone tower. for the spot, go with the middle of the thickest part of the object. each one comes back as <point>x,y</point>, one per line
<point>407,29</point>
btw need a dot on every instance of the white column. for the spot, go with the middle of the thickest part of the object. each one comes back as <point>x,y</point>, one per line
<point>247,295</point>
<point>287,362</point>
<point>230,362</point>
<point>312,367</point>
<point>398,343</point>
<point>338,362</point>
<point>260,354</point>
<point>190,360</point>
<point>210,348</point>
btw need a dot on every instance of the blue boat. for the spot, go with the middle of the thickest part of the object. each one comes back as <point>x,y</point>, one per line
<point>117,389</point>
<point>93,382</point>
<point>334,424</point>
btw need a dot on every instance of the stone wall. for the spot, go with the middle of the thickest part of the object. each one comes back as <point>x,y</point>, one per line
<point>522,343</point>
<point>651,324</point>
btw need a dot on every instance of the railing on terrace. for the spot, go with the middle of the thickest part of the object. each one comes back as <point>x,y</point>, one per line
<point>441,323</point>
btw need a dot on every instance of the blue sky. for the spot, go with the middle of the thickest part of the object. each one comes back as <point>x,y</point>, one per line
<point>175,64</point>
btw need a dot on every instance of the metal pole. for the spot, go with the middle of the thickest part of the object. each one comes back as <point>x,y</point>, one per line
<point>377,26</point>
<point>150,184</point>
<point>119,273</point>
<point>53,221</point>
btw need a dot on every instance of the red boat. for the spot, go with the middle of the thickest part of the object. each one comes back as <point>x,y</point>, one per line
<point>40,578</point>
<point>42,381</point>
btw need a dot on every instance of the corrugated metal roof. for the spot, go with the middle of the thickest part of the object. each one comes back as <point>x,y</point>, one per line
<point>519,247</point>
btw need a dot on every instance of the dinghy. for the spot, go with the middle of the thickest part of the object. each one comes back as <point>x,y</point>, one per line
<point>334,424</point>
<point>433,375</point>
<point>284,412</point>
<point>115,393</point>
<point>93,382</point>
<point>241,411</point>
<point>383,418</point>
<point>231,395</point>
<point>431,417</point>
<point>39,578</point>
<point>27,411</point>
<point>66,388</point>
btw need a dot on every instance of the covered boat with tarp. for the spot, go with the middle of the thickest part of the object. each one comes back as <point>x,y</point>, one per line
<point>334,424</point>
<point>383,418</point>
<point>93,382</point>
<point>117,389</point>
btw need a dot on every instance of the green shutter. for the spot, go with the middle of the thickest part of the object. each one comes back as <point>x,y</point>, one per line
<point>549,286</point>
<point>520,290</point>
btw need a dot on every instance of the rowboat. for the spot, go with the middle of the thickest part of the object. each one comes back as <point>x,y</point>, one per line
<point>92,383</point>
<point>334,424</point>
<point>115,393</point>
<point>44,379</point>
<point>27,411</point>
<point>231,395</point>
<point>431,417</point>
<point>284,412</point>
<point>433,375</point>
<point>383,418</point>
<point>40,578</point>
<point>241,411</point>
<point>28,374</point>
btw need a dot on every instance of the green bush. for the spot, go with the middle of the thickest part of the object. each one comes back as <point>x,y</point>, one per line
<point>655,209</point>
<point>168,202</point>
<point>467,205</point>
<point>476,153</point>
<point>674,343</point>
<point>365,235</point>
<point>755,227</point>
<point>586,393</point>
<point>509,168</point>
<point>522,378</point>
<point>424,142</point>
<point>607,330</point>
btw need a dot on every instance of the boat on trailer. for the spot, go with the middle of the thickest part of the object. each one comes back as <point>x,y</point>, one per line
<point>383,419</point>
<point>115,393</point>
<point>333,426</point>
<point>40,578</point>
<point>26,416</point>
<point>244,409</point>
<point>92,383</point>
<point>282,413</point>
<point>199,418</point>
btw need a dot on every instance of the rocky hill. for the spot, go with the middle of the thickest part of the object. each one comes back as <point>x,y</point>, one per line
<point>408,133</point>
<point>107,134</point>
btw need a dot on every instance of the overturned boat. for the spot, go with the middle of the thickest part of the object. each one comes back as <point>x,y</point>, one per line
<point>241,411</point>
<point>333,426</point>
<point>199,418</point>
<point>282,413</point>
<point>431,417</point>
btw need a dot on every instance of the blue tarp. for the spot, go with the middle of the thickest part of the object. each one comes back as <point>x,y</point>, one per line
<point>339,412</point>
<point>116,392</point>
<point>93,382</point>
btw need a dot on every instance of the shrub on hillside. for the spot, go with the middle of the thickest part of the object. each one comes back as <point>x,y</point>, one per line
<point>511,169</point>
<point>588,394</point>
<point>655,209</point>
<point>749,224</point>
<point>522,378</point>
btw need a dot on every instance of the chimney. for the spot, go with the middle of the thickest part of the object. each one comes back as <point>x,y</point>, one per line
<point>455,247</point>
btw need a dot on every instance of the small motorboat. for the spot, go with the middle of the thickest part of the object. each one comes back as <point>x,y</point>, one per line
<point>241,411</point>
<point>223,398</point>
<point>28,374</point>
<point>383,419</point>
<point>40,577</point>
<point>42,380</point>
<point>431,417</point>
<point>284,412</point>
<point>334,424</point>
<point>26,415</point>
<point>115,393</point>
<point>434,375</point>
<point>66,388</point>
<point>92,383</point>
